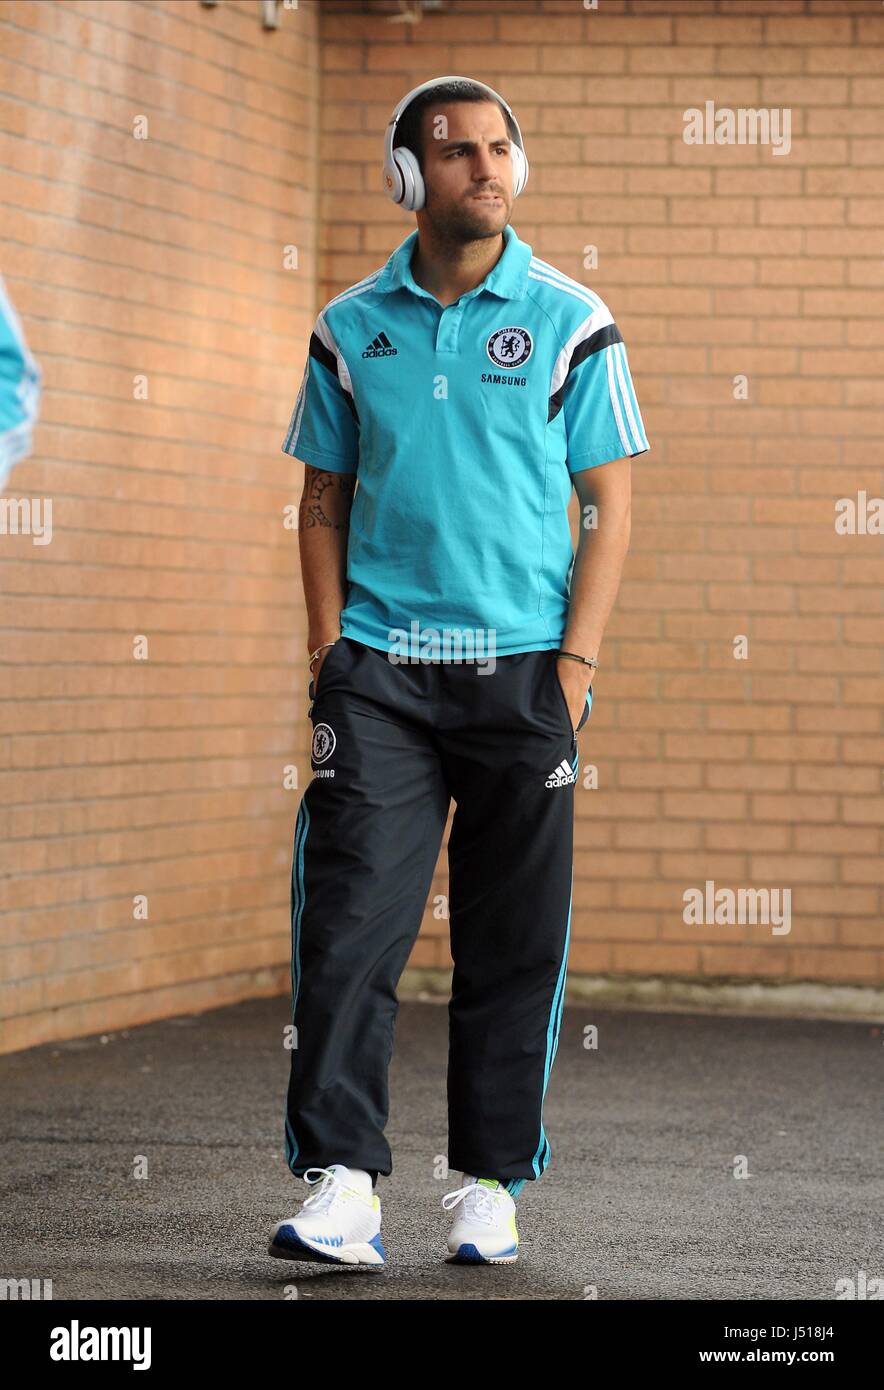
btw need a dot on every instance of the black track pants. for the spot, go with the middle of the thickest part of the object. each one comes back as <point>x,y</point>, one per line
<point>391,745</point>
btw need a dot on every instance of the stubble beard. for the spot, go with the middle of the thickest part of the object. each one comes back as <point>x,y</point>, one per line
<point>460,223</point>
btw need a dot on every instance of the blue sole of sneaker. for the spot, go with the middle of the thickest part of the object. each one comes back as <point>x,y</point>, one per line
<point>287,1245</point>
<point>469,1255</point>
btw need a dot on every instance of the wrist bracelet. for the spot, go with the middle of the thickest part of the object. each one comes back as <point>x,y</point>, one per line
<point>318,650</point>
<point>587,660</point>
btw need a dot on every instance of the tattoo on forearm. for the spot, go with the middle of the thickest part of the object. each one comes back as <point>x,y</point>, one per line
<point>311,511</point>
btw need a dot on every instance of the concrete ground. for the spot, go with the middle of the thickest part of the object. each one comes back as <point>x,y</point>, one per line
<point>639,1201</point>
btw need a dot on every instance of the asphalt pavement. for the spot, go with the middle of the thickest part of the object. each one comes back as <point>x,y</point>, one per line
<point>640,1200</point>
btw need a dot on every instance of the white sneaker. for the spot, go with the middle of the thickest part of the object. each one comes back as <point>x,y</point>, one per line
<point>484,1230</point>
<point>338,1222</point>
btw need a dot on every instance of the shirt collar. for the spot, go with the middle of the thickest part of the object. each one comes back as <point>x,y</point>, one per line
<point>508,278</point>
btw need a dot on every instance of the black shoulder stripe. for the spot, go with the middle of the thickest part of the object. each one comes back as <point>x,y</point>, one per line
<point>322,354</point>
<point>602,338</point>
<point>330,362</point>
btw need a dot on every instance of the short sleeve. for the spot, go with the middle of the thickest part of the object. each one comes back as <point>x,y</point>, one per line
<point>602,418</point>
<point>324,428</point>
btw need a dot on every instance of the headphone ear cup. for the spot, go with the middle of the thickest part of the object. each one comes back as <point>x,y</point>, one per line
<point>411,183</point>
<point>520,170</point>
<point>392,181</point>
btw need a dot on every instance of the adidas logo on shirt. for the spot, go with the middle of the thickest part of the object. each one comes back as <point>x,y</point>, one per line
<point>561,776</point>
<point>380,347</point>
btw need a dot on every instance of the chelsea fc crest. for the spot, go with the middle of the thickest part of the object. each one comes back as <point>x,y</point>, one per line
<point>509,347</point>
<point>323,742</point>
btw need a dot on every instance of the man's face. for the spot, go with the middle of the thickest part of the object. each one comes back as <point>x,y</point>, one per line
<point>466,158</point>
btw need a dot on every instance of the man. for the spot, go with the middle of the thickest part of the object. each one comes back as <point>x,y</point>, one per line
<point>465,387</point>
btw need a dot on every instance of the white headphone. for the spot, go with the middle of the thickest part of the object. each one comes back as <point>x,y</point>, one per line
<point>403,181</point>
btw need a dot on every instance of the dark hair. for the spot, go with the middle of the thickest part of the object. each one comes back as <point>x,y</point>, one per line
<point>408,131</point>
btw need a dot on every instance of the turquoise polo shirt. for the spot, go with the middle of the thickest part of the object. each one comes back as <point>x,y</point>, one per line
<point>464,425</point>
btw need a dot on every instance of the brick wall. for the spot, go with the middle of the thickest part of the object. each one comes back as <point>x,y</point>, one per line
<point>163,258</point>
<point>159,258</point>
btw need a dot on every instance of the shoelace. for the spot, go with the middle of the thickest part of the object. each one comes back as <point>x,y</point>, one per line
<point>482,1205</point>
<point>327,1193</point>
